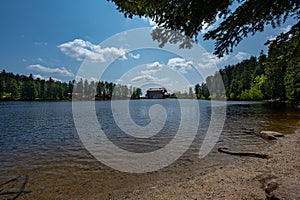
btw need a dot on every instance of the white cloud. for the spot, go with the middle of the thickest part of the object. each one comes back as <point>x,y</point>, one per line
<point>283,30</point>
<point>24,60</point>
<point>211,58</point>
<point>59,71</point>
<point>180,64</point>
<point>144,78</point>
<point>206,65</point>
<point>241,56</point>
<point>154,66</point>
<point>134,56</point>
<point>210,61</point>
<point>119,81</point>
<point>148,74</point>
<point>271,38</point>
<point>286,29</point>
<point>149,21</point>
<point>151,69</point>
<point>55,79</point>
<point>93,79</point>
<point>80,50</point>
<point>206,27</point>
<point>36,76</point>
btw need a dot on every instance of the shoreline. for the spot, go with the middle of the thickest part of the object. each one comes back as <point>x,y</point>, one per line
<point>270,101</point>
<point>245,178</point>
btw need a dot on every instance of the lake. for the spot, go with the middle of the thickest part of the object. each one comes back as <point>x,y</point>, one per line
<point>40,139</point>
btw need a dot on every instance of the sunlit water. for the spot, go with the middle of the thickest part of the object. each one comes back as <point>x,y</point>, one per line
<point>39,139</point>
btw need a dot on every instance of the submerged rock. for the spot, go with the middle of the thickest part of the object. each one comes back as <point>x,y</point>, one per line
<point>270,135</point>
<point>284,188</point>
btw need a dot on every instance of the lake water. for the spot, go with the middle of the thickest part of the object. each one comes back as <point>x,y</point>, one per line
<point>39,139</point>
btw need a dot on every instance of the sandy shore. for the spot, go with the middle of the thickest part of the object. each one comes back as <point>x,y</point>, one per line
<point>247,178</point>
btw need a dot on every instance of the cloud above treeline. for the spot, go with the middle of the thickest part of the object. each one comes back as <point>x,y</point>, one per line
<point>180,64</point>
<point>208,63</point>
<point>80,50</point>
<point>134,56</point>
<point>286,29</point>
<point>150,73</point>
<point>147,75</point>
<point>38,76</point>
<point>56,71</point>
<point>241,56</point>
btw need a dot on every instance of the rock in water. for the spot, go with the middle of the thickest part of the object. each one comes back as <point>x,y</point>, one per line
<point>283,189</point>
<point>270,135</point>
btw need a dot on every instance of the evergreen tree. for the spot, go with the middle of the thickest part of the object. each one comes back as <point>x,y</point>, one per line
<point>237,19</point>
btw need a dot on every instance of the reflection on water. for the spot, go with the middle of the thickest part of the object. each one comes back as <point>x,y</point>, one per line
<point>40,139</point>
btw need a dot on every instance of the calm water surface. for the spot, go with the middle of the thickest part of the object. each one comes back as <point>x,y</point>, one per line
<point>39,139</point>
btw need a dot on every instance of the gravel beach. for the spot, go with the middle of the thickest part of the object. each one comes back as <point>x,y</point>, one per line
<point>247,178</point>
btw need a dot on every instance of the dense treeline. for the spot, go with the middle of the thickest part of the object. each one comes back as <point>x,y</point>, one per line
<point>20,87</point>
<point>243,81</point>
<point>104,90</point>
<point>275,76</point>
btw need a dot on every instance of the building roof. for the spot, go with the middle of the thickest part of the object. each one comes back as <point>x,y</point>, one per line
<point>156,89</point>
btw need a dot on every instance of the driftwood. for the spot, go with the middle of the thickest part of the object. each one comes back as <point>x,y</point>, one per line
<point>257,155</point>
<point>16,194</point>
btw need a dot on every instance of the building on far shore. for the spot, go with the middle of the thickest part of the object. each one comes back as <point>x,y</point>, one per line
<point>157,93</point>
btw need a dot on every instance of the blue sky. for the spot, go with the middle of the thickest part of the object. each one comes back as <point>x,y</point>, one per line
<point>52,38</point>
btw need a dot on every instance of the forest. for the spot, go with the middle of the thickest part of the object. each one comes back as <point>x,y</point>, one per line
<point>275,76</point>
<point>20,87</point>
